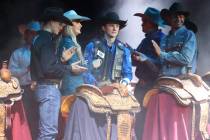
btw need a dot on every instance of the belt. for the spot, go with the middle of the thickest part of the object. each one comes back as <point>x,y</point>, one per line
<point>49,82</point>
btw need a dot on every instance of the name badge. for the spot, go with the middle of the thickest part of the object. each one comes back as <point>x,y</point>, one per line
<point>101,54</point>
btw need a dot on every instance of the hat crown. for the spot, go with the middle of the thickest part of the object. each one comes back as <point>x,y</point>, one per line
<point>55,14</point>
<point>154,15</point>
<point>34,25</point>
<point>70,13</point>
<point>53,11</point>
<point>176,7</point>
<point>112,15</point>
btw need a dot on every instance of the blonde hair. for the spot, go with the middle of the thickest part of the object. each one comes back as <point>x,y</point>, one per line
<point>69,32</point>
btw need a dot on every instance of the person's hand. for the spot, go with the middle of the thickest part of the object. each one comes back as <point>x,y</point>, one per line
<point>33,85</point>
<point>97,63</point>
<point>157,48</point>
<point>77,69</point>
<point>68,53</point>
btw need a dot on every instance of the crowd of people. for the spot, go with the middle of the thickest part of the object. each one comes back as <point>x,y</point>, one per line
<point>50,66</point>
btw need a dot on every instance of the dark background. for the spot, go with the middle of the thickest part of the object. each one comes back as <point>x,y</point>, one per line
<point>14,12</point>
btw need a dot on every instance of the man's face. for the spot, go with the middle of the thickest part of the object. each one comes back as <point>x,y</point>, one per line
<point>76,27</point>
<point>29,35</point>
<point>177,20</point>
<point>147,25</point>
<point>56,27</point>
<point>111,29</point>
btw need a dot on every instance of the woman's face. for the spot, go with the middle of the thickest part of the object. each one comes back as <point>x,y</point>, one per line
<point>76,27</point>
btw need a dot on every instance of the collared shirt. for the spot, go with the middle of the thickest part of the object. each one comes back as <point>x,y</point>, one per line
<point>44,61</point>
<point>143,71</point>
<point>176,62</point>
<point>19,64</point>
<point>110,51</point>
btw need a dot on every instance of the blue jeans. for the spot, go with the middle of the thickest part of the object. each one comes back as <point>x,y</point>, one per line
<point>49,99</point>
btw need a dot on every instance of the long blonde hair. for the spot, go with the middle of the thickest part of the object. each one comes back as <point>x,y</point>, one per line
<point>69,32</point>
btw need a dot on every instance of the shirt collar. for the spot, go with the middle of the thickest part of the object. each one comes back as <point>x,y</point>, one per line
<point>153,33</point>
<point>179,30</point>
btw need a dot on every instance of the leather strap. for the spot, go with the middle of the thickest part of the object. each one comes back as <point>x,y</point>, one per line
<point>8,121</point>
<point>109,126</point>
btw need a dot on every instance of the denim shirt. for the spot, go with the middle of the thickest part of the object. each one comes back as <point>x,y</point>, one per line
<point>19,64</point>
<point>126,72</point>
<point>70,81</point>
<point>146,46</point>
<point>143,71</point>
<point>176,62</point>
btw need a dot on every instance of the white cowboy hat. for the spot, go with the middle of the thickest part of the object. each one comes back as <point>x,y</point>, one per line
<point>72,15</point>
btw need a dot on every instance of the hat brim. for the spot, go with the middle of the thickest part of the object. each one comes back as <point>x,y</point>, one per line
<point>165,12</point>
<point>103,21</point>
<point>143,15</point>
<point>139,14</point>
<point>80,18</point>
<point>61,19</point>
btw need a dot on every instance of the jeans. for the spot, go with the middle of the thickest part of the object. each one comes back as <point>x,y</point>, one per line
<point>49,99</point>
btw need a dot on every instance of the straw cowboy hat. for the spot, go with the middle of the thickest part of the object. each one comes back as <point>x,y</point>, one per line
<point>72,15</point>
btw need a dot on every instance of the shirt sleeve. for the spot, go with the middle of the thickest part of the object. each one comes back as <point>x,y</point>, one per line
<point>127,65</point>
<point>185,56</point>
<point>15,65</point>
<point>88,55</point>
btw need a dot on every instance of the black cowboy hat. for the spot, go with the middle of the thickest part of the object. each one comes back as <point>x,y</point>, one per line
<point>54,13</point>
<point>111,17</point>
<point>175,8</point>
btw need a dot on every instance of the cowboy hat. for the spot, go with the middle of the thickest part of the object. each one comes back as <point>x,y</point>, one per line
<point>111,17</point>
<point>153,14</point>
<point>175,8</point>
<point>34,26</point>
<point>55,14</point>
<point>72,15</point>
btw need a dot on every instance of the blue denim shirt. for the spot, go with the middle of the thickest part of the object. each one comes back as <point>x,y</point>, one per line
<point>70,81</point>
<point>176,62</point>
<point>126,66</point>
<point>19,64</point>
<point>142,70</point>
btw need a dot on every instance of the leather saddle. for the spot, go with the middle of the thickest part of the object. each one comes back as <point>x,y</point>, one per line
<point>184,90</point>
<point>112,99</point>
<point>187,89</point>
<point>108,99</point>
<point>9,93</point>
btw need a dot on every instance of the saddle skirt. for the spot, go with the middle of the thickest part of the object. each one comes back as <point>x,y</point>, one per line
<point>104,102</point>
<point>188,90</point>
